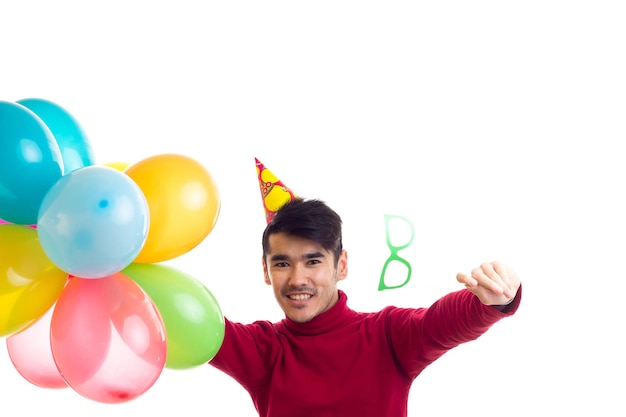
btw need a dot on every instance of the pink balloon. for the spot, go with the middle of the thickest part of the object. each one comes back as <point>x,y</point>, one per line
<point>31,354</point>
<point>32,226</point>
<point>107,338</point>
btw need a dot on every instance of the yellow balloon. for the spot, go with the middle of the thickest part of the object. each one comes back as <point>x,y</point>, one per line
<point>183,203</point>
<point>120,166</point>
<point>29,282</point>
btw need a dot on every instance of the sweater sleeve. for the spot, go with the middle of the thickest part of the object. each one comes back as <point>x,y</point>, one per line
<point>245,352</point>
<point>420,336</point>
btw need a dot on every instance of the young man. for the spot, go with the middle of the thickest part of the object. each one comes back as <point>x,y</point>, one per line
<point>324,359</point>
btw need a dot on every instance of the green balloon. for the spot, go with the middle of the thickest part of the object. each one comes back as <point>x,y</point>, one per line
<point>193,319</point>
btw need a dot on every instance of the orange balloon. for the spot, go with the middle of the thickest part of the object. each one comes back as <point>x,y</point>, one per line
<point>183,202</point>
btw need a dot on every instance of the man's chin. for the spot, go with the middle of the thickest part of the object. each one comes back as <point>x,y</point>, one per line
<point>299,315</point>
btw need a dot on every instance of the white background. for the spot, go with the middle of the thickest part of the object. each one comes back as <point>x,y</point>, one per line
<point>496,127</point>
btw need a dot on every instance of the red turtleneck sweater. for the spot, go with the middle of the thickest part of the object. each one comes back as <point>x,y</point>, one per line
<point>345,363</point>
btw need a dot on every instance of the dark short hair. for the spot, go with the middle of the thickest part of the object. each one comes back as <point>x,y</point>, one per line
<point>310,219</point>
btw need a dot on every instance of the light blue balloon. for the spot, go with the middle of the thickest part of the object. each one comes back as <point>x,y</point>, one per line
<point>75,148</point>
<point>93,222</point>
<point>30,163</point>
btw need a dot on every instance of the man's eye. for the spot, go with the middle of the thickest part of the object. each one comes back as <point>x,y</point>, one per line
<point>314,261</point>
<point>281,264</point>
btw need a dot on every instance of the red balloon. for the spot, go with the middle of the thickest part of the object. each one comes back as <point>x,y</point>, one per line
<point>31,354</point>
<point>107,338</point>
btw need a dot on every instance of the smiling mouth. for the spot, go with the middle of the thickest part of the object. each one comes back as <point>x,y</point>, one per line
<point>299,297</point>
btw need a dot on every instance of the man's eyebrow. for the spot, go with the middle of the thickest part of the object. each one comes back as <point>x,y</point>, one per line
<point>282,257</point>
<point>313,255</point>
<point>279,257</point>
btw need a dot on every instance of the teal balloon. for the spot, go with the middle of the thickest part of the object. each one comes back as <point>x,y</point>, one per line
<point>194,324</point>
<point>93,222</point>
<point>30,163</point>
<point>76,150</point>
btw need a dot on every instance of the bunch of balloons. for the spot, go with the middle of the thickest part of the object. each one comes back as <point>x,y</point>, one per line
<point>85,300</point>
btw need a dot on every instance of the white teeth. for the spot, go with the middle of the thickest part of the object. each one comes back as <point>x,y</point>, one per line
<point>299,297</point>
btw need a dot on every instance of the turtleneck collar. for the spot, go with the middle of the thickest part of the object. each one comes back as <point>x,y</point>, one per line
<point>329,320</point>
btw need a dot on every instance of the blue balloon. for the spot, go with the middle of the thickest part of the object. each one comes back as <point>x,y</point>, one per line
<point>30,163</point>
<point>93,222</point>
<point>75,148</point>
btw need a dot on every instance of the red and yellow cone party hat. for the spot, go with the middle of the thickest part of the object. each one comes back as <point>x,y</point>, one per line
<point>273,192</point>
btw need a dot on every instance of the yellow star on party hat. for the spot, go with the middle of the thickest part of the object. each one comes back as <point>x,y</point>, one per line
<point>273,192</point>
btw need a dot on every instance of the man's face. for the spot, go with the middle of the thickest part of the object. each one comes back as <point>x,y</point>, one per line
<point>303,275</point>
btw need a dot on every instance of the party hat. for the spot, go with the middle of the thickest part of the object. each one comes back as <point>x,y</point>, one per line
<point>273,192</point>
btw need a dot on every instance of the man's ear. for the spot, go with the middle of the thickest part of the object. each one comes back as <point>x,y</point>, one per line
<point>342,266</point>
<point>267,277</point>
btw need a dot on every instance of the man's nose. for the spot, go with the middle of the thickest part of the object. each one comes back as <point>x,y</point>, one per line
<point>298,274</point>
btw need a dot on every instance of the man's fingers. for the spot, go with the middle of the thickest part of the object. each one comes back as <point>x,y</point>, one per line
<point>500,269</point>
<point>487,276</point>
<point>466,279</point>
<point>508,278</point>
<point>493,282</point>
